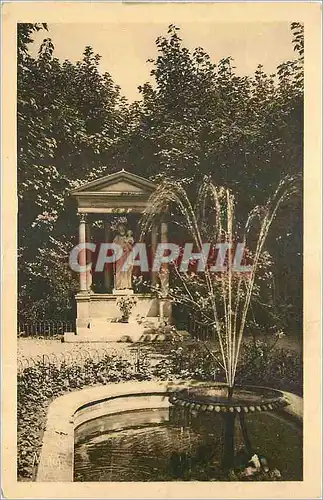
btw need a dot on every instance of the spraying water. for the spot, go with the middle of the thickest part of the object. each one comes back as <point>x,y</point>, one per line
<point>228,316</point>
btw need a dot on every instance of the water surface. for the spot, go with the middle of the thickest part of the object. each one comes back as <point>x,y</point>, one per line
<point>170,444</point>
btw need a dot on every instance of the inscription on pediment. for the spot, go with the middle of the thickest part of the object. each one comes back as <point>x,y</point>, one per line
<point>121,186</point>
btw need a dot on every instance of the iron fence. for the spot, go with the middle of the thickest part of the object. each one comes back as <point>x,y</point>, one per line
<point>49,328</point>
<point>80,357</point>
<point>199,330</point>
<point>45,328</point>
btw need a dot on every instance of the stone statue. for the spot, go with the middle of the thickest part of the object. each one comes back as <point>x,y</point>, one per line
<point>123,277</point>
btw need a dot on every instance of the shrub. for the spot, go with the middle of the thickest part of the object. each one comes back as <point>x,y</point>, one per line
<point>126,304</point>
<point>260,364</point>
<point>187,360</point>
<point>263,365</point>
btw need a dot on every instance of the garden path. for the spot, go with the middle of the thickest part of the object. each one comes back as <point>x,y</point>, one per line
<point>31,347</point>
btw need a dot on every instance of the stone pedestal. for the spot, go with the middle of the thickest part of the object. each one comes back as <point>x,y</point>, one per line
<point>98,316</point>
<point>104,331</point>
<point>165,310</point>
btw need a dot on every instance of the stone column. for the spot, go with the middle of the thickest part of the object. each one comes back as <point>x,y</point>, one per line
<point>154,239</point>
<point>108,268</point>
<point>82,253</point>
<point>88,257</point>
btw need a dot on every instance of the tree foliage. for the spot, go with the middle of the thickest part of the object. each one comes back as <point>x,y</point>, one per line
<point>70,117</point>
<point>197,117</point>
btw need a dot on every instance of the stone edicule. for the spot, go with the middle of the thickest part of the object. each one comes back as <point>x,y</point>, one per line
<point>119,195</point>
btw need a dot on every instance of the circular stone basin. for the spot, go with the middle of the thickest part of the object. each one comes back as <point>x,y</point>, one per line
<point>172,444</point>
<point>215,398</point>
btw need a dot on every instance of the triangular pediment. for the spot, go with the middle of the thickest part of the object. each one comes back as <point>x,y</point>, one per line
<point>118,183</point>
<point>122,186</point>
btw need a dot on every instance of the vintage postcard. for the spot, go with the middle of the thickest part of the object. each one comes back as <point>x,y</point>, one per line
<point>161,250</point>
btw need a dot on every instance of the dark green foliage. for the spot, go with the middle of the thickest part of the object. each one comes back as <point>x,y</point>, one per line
<point>197,118</point>
<point>279,368</point>
<point>260,364</point>
<point>69,118</point>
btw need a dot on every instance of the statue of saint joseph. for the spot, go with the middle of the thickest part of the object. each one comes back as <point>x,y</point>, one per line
<point>123,277</point>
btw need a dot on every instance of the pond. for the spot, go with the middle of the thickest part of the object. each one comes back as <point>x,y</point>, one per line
<point>172,444</point>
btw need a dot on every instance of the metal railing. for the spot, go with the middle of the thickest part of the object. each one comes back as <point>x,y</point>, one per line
<point>44,328</point>
<point>199,330</point>
<point>81,357</point>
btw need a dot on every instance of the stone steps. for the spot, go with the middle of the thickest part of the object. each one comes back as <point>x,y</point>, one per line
<point>104,331</point>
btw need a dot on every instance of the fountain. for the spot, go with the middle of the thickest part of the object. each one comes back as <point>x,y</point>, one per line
<point>159,432</point>
<point>236,292</point>
<point>244,400</point>
<point>228,318</point>
<point>197,431</point>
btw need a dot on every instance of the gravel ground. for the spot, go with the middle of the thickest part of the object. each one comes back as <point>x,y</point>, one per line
<point>31,347</point>
<point>53,350</point>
